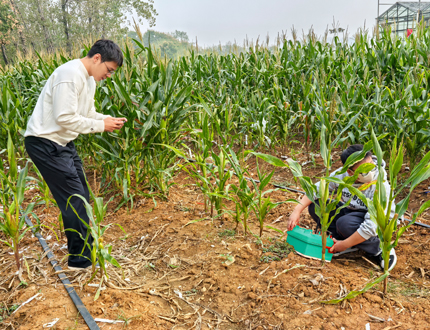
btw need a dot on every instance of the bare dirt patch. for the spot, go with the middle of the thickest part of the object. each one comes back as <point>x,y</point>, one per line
<point>206,275</point>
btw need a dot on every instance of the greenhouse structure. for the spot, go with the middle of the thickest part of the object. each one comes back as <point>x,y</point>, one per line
<point>403,16</point>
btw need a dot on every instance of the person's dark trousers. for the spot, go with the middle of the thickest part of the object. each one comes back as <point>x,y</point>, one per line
<point>62,170</point>
<point>345,224</point>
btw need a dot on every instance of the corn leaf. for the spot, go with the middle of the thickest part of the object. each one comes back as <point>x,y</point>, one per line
<point>353,294</point>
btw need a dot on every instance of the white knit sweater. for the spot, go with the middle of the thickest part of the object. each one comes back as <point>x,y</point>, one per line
<point>65,107</point>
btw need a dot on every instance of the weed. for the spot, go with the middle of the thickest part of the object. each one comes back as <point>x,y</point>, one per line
<point>276,252</point>
<point>127,320</point>
<point>227,233</point>
<point>228,258</point>
<point>124,238</point>
<point>191,292</point>
<point>269,258</point>
<point>75,326</point>
<point>184,208</point>
<point>6,311</point>
<point>407,289</point>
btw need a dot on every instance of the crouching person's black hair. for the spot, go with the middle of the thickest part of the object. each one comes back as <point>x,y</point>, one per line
<point>350,150</point>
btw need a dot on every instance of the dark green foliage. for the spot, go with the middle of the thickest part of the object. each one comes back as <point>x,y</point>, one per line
<point>276,252</point>
<point>170,46</point>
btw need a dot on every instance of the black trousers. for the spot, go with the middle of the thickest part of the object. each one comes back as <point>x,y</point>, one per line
<point>62,170</point>
<point>345,224</point>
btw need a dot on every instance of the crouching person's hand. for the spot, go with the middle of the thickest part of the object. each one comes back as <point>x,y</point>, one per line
<point>293,220</point>
<point>338,246</point>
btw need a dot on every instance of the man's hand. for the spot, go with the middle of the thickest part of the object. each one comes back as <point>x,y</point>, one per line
<point>338,246</point>
<point>293,220</point>
<point>112,123</point>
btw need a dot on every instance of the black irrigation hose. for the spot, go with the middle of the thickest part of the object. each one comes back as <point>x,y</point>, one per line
<point>69,288</point>
<point>418,223</point>
<point>299,191</point>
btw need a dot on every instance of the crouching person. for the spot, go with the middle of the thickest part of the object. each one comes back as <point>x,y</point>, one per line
<point>352,227</point>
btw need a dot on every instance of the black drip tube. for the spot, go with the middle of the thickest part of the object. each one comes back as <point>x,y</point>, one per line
<point>69,288</point>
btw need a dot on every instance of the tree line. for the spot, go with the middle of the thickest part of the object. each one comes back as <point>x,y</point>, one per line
<point>170,45</point>
<point>47,25</point>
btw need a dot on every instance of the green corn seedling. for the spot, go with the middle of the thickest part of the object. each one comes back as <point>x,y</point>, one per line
<point>262,205</point>
<point>100,253</point>
<point>45,198</point>
<point>13,184</point>
<point>211,178</point>
<point>380,208</point>
<point>218,181</point>
<point>45,195</point>
<point>241,193</point>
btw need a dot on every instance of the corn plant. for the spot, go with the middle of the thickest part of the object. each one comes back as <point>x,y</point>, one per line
<point>210,177</point>
<point>214,184</point>
<point>13,184</point>
<point>100,253</point>
<point>202,145</point>
<point>45,196</point>
<point>218,183</point>
<point>162,167</point>
<point>380,207</point>
<point>13,114</point>
<point>240,193</point>
<point>119,157</point>
<point>207,169</point>
<point>263,205</point>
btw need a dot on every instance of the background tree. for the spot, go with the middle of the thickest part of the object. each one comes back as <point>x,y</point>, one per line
<point>55,24</point>
<point>180,35</point>
<point>167,44</point>
<point>8,22</point>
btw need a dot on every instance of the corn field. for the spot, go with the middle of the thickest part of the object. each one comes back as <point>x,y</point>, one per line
<point>262,98</point>
<point>213,107</point>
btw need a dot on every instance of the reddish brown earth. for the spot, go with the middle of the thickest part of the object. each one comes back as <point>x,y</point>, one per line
<point>162,257</point>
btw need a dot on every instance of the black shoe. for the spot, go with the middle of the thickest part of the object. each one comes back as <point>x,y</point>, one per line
<point>76,268</point>
<point>84,266</point>
<point>391,262</point>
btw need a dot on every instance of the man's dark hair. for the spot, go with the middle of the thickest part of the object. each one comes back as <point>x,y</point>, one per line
<point>350,150</point>
<point>109,51</point>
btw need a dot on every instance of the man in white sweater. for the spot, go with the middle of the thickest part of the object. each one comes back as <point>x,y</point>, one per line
<point>64,110</point>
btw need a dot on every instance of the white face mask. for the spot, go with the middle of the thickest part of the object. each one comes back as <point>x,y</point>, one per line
<point>367,177</point>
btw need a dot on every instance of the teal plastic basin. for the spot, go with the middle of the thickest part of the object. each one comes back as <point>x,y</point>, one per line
<point>308,244</point>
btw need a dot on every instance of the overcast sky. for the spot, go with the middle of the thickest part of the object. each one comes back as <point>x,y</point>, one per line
<point>214,21</point>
